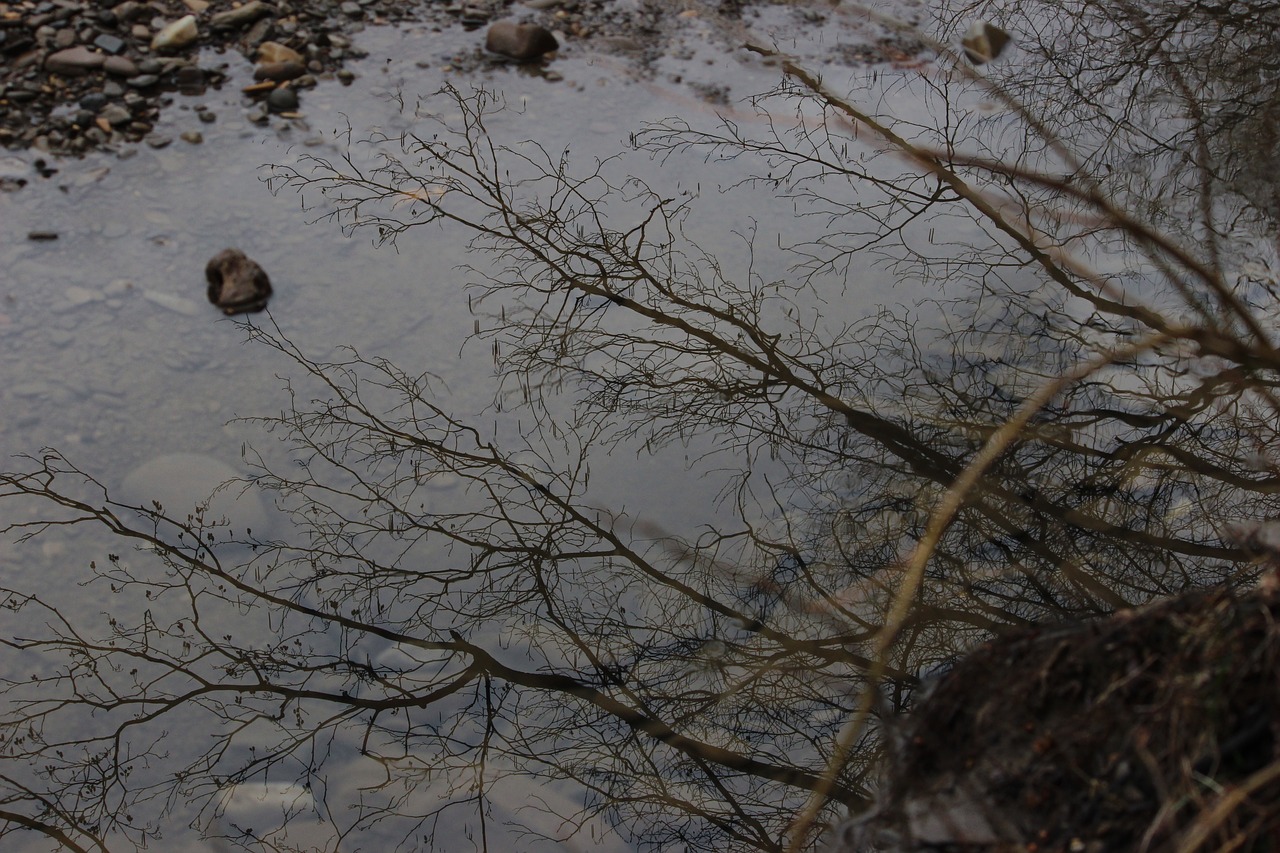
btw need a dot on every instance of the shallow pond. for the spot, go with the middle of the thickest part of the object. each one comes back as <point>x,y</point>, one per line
<point>933,312</point>
<point>112,355</point>
<point>111,352</point>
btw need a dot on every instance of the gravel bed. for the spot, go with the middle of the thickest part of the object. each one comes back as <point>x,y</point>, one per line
<point>80,75</point>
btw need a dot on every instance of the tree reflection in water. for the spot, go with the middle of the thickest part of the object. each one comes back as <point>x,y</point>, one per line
<point>1096,214</point>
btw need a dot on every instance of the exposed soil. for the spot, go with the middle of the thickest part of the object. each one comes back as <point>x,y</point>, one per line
<point>1154,730</point>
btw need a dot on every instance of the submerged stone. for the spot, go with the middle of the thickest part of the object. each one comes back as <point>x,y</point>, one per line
<point>179,482</point>
<point>522,42</point>
<point>984,42</point>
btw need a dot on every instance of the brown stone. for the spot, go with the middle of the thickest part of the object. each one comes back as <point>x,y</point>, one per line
<point>120,66</point>
<point>279,71</point>
<point>242,16</point>
<point>273,51</point>
<point>237,284</point>
<point>522,42</point>
<point>984,42</point>
<point>74,61</point>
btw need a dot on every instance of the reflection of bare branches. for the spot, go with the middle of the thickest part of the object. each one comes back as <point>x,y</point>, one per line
<point>1043,441</point>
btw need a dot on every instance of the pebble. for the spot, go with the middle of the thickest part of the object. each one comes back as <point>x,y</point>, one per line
<point>120,66</point>
<point>282,100</point>
<point>235,18</point>
<point>109,43</point>
<point>42,235</point>
<point>270,51</point>
<point>115,115</point>
<point>177,35</point>
<point>193,137</point>
<point>279,71</point>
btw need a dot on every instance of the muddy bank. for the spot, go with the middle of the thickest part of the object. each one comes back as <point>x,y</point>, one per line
<point>1153,729</point>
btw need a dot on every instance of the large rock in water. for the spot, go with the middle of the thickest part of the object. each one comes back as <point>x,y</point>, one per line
<point>522,42</point>
<point>237,284</point>
<point>181,481</point>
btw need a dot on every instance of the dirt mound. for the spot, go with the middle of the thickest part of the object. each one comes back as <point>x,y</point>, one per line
<point>1152,730</point>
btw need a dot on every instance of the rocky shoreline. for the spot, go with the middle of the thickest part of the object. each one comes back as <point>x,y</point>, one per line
<point>83,75</point>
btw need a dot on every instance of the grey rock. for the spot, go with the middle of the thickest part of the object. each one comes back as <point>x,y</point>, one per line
<point>522,42</point>
<point>74,61</point>
<point>259,32</point>
<point>237,284</point>
<point>109,43</point>
<point>282,100</point>
<point>93,101</point>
